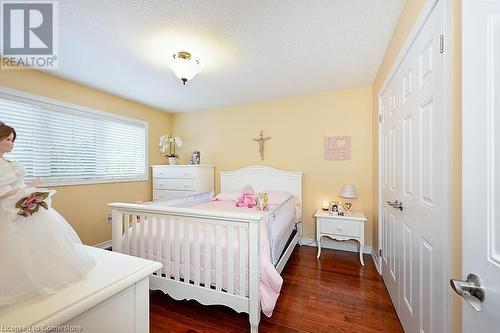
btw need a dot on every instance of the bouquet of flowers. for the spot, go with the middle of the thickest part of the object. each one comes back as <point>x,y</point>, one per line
<point>168,143</point>
<point>30,204</point>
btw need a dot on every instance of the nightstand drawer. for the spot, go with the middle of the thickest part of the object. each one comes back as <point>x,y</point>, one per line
<point>339,227</point>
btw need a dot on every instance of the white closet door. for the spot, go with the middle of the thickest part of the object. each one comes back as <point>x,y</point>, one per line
<point>413,263</point>
<point>391,165</point>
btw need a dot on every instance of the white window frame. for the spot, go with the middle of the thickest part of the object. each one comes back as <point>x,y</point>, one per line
<point>24,97</point>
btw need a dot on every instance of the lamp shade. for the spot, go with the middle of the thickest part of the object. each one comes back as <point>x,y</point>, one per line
<point>348,191</point>
<point>184,66</point>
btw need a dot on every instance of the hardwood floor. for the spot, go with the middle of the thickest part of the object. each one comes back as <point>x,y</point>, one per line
<point>332,294</point>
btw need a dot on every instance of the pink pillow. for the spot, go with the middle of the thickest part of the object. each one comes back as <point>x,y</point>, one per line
<point>226,197</point>
<point>278,197</point>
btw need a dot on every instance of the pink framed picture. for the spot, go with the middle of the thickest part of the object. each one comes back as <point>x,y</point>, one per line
<point>337,148</point>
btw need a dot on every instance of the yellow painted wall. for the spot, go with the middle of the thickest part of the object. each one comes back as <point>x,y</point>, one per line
<point>405,23</point>
<point>297,126</point>
<point>84,206</point>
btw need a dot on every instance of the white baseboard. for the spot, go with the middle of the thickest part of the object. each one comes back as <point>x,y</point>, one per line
<point>337,245</point>
<point>376,261</point>
<point>105,245</point>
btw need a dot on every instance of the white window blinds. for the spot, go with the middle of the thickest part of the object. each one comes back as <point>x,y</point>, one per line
<point>67,144</point>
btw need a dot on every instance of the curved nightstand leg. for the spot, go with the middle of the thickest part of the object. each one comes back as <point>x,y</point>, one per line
<point>318,240</point>
<point>361,245</point>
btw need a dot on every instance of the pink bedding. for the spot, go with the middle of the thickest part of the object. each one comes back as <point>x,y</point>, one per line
<point>270,280</point>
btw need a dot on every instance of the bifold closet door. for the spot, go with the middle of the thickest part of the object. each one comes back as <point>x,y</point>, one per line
<point>414,192</point>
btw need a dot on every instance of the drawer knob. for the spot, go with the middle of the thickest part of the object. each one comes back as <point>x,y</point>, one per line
<point>339,228</point>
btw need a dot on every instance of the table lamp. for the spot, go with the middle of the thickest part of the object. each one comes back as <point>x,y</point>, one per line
<point>348,192</point>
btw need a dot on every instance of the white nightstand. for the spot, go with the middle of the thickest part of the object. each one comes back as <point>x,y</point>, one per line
<point>341,228</point>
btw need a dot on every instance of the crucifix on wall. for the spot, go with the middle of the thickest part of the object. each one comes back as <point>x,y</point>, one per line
<point>261,139</point>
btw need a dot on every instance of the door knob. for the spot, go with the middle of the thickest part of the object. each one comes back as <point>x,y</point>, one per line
<point>472,290</point>
<point>396,204</point>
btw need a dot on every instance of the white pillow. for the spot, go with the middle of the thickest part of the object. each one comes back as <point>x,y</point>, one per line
<point>226,197</point>
<point>278,197</point>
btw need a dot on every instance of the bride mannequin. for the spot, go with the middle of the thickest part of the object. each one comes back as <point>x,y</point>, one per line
<point>39,253</point>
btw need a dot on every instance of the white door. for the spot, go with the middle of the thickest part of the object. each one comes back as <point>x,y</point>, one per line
<point>390,189</point>
<point>415,173</point>
<point>481,159</point>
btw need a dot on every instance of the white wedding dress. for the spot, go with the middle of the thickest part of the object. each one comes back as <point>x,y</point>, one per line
<point>39,254</point>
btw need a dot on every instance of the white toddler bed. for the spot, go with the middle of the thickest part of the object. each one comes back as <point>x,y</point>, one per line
<point>243,242</point>
<point>280,218</point>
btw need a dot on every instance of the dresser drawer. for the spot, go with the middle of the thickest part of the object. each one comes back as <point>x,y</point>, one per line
<point>339,227</point>
<point>162,195</point>
<point>175,184</point>
<point>175,172</point>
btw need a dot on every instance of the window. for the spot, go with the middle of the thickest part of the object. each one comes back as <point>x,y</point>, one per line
<point>69,144</point>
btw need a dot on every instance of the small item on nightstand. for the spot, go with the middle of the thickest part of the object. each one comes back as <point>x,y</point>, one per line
<point>325,204</point>
<point>334,208</point>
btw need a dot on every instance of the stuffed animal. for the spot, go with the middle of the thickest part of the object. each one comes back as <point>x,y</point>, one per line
<point>263,201</point>
<point>247,197</point>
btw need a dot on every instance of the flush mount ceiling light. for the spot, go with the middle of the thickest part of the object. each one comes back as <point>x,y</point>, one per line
<point>184,66</point>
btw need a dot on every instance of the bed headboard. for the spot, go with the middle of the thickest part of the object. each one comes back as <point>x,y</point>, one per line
<point>263,178</point>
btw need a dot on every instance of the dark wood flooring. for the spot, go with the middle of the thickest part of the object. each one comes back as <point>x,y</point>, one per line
<point>332,294</point>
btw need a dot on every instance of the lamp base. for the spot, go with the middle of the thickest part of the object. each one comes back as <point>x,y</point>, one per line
<point>347,206</point>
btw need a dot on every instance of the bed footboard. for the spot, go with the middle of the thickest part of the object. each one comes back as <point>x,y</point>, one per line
<point>211,257</point>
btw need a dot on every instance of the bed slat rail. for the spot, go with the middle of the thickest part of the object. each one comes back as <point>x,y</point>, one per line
<point>218,254</point>
<point>209,253</point>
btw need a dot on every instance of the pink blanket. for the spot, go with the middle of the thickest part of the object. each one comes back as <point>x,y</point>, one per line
<point>270,280</point>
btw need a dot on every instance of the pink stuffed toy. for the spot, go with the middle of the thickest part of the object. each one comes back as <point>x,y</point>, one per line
<point>247,197</point>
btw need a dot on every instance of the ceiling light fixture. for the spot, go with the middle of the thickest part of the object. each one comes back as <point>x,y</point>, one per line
<point>185,66</point>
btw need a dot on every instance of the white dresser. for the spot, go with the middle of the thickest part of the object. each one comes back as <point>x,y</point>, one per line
<point>172,181</point>
<point>113,297</point>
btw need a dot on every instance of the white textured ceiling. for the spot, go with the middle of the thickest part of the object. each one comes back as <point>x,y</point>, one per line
<point>250,50</point>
